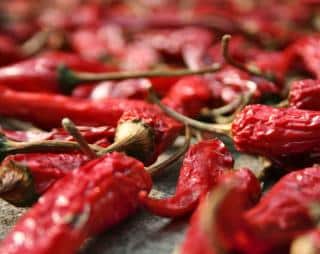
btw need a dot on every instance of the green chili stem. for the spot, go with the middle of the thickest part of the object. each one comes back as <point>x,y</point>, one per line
<point>69,78</point>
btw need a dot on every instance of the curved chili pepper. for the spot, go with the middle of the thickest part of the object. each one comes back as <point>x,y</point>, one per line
<point>304,94</point>
<point>236,191</point>
<point>85,202</point>
<point>283,213</point>
<point>276,132</point>
<point>43,170</point>
<point>39,74</point>
<point>47,110</point>
<point>202,165</point>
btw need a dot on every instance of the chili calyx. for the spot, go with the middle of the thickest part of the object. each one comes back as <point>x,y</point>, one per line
<point>252,70</point>
<point>69,78</point>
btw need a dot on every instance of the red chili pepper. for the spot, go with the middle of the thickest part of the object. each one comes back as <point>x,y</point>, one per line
<point>307,50</point>
<point>40,172</point>
<point>304,94</point>
<point>188,96</point>
<point>9,51</point>
<point>47,110</point>
<point>40,74</point>
<point>98,43</point>
<point>202,165</point>
<point>283,213</point>
<point>277,133</point>
<point>216,225</point>
<point>86,202</point>
<point>91,134</point>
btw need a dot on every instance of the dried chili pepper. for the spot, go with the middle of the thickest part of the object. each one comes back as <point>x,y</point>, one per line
<point>276,132</point>
<point>39,74</point>
<point>26,176</point>
<point>47,110</point>
<point>202,165</point>
<point>236,191</point>
<point>283,213</point>
<point>304,94</point>
<point>83,203</point>
<point>9,51</point>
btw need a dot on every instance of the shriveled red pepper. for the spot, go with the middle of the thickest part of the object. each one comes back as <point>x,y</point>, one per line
<point>216,225</point>
<point>277,132</point>
<point>86,202</point>
<point>304,94</point>
<point>39,74</point>
<point>35,174</point>
<point>201,168</point>
<point>283,213</point>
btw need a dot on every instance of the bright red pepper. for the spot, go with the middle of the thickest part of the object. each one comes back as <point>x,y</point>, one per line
<point>201,168</point>
<point>47,110</point>
<point>304,94</point>
<point>208,232</point>
<point>283,213</point>
<point>86,202</point>
<point>40,74</point>
<point>42,171</point>
<point>277,133</point>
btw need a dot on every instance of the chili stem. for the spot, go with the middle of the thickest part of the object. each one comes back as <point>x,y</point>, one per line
<point>215,128</point>
<point>36,42</point>
<point>70,127</point>
<point>69,78</point>
<point>252,70</point>
<point>156,168</point>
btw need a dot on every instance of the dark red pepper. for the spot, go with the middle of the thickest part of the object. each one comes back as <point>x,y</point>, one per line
<point>201,168</point>
<point>85,202</point>
<point>216,225</point>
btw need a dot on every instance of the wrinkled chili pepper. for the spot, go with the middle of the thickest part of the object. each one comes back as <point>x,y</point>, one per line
<point>201,168</point>
<point>283,213</point>
<point>85,202</point>
<point>40,171</point>
<point>304,94</point>
<point>39,74</point>
<point>236,191</point>
<point>276,132</point>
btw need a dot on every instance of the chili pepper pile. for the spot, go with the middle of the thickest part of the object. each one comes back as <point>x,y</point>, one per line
<point>93,92</point>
